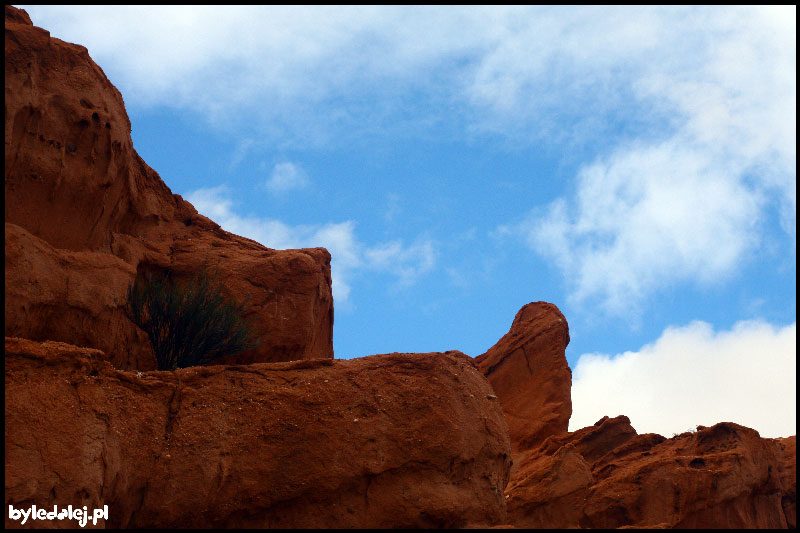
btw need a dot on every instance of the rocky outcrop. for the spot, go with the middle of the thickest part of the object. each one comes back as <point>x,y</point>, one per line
<point>42,281</point>
<point>529,373</point>
<point>607,476</point>
<point>397,440</point>
<point>76,188</point>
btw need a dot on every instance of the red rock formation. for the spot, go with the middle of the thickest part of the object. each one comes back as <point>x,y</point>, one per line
<point>76,188</point>
<point>397,440</point>
<point>528,370</point>
<point>607,476</point>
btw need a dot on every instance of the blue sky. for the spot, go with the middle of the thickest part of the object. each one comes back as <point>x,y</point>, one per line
<point>634,166</point>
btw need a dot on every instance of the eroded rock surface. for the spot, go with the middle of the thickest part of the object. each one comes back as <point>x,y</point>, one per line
<point>528,370</point>
<point>396,440</point>
<point>393,440</point>
<point>76,188</point>
<point>607,476</point>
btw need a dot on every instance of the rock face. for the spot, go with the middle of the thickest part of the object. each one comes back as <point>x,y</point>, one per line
<point>608,476</point>
<point>528,370</point>
<point>81,205</point>
<point>397,440</point>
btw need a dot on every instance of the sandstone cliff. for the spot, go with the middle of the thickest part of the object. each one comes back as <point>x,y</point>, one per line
<point>397,440</point>
<point>84,213</point>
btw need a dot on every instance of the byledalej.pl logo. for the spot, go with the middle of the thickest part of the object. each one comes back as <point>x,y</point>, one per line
<point>37,513</point>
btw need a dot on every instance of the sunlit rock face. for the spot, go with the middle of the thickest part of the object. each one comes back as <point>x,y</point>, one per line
<point>396,440</point>
<point>528,370</point>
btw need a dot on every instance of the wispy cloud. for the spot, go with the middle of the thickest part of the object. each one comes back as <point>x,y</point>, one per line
<point>686,205</point>
<point>287,176</point>
<point>240,153</point>
<point>394,207</point>
<point>350,257</point>
<point>644,219</point>
<point>321,73</point>
<point>693,375</point>
<point>408,263</point>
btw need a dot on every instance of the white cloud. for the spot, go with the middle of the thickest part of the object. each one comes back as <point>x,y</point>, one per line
<point>690,204</point>
<point>644,219</point>
<point>693,375</point>
<point>315,74</point>
<point>287,176</point>
<point>349,255</point>
<point>722,77</point>
<point>297,74</point>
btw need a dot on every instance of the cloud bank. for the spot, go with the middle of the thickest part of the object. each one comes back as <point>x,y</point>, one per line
<point>693,375</point>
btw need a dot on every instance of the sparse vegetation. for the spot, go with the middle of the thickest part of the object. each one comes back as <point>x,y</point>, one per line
<point>190,323</point>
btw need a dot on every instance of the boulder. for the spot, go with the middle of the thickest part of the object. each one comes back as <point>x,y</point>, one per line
<point>75,185</point>
<point>394,440</point>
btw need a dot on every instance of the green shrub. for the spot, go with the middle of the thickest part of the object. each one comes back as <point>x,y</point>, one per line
<point>188,323</point>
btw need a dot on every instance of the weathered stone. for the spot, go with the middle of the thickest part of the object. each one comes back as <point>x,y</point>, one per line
<point>396,440</point>
<point>529,373</point>
<point>606,476</point>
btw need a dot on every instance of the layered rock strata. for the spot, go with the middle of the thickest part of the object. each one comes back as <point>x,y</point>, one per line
<point>607,476</point>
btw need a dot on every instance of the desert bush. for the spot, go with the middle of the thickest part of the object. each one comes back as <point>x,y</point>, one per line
<point>189,323</point>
